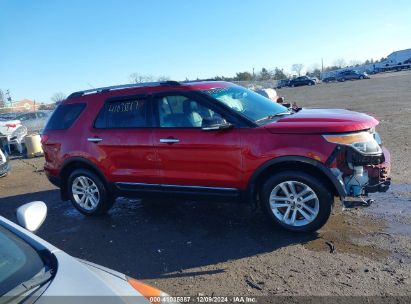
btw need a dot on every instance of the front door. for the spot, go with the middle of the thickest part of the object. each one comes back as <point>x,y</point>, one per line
<point>190,157</point>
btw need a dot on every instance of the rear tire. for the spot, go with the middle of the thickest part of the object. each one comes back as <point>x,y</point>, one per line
<point>297,201</point>
<point>88,193</point>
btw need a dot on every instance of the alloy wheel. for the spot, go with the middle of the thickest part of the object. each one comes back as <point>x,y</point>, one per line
<point>294,203</point>
<point>85,192</point>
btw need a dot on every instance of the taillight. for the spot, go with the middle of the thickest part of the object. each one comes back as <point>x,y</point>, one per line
<point>11,125</point>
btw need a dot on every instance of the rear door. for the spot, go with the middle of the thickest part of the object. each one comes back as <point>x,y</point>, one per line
<point>191,158</point>
<point>122,140</point>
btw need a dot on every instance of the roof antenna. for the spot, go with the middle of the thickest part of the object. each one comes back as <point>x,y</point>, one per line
<point>91,86</point>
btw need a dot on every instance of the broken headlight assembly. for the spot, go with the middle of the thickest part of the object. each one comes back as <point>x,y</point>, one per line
<point>361,150</point>
<point>365,142</point>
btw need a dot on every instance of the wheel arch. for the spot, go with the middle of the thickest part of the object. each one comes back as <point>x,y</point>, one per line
<point>77,163</point>
<point>297,163</point>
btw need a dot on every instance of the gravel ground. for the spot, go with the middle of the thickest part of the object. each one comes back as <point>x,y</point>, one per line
<point>221,249</point>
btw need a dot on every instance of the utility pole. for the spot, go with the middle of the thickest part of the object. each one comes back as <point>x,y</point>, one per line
<point>322,65</point>
<point>253,75</point>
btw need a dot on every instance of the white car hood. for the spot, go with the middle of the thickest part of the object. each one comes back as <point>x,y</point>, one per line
<point>76,279</point>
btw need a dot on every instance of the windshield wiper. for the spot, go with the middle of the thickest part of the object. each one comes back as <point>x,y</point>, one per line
<point>273,116</point>
<point>36,281</point>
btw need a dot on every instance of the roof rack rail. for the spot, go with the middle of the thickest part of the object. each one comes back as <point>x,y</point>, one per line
<point>123,86</point>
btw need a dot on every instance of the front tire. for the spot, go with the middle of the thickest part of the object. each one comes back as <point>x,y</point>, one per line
<point>88,193</point>
<point>297,201</point>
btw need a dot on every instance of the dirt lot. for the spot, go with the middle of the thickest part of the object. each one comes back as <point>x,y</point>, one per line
<point>191,248</point>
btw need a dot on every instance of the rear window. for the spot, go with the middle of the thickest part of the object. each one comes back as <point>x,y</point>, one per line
<point>64,116</point>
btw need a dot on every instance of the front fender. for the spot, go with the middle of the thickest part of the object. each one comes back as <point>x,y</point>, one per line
<point>294,161</point>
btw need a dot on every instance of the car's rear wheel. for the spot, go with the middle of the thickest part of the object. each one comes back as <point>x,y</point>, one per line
<point>297,201</point>
<point>88,193</point>
<point>361,77</point>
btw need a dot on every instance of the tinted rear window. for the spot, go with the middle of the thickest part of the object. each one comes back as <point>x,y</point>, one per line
<point>64,116</point>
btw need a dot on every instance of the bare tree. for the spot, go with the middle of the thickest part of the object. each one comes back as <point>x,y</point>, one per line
<point>57,97</point>
<point>340,62</point>
<point>355,62</point>
<point>2,100</point>
<point>297,67</point>
<point>163,78</point>
<point>140,78</point>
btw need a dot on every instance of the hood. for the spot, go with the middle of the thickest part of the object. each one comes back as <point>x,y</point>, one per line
<point>322,121</point>
<point>76,278</point>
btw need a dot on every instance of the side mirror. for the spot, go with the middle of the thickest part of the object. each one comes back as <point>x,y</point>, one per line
<point>32,215</point>
<point>215,123</point>
<point>280,100</point>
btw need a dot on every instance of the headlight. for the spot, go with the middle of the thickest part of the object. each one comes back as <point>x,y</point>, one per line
<point>364,142</point>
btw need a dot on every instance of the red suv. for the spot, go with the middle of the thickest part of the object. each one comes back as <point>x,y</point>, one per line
<point>211,139</point>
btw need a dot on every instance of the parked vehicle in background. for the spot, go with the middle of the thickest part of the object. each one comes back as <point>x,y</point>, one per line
<point>301,81</point>
<point>315,79</point>
<point>34,121</point>
<point>211,139</point>
<point>283,83</point>
<point>268,93</point>
<point>8,115</point>
<point>4,163</point>
<point>329,79</point>
<point>32,269</point>
<point>7,127</point>
<point>351,75</point>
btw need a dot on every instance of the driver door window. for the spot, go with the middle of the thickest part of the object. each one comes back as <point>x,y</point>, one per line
<point>176,111</point>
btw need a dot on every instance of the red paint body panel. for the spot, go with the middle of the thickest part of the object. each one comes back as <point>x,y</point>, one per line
<point>319,121</point>
<point>211,159</point>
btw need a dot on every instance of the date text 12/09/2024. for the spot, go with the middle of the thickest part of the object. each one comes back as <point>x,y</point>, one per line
<point>203,299</point>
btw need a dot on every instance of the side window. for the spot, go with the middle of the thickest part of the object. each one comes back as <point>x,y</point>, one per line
<point>184,112</point>
<point>131,113</point>
<point>64,116</point>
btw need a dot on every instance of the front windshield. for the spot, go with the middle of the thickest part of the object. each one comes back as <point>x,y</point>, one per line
<point>19,262</point>
<point>246,102</point>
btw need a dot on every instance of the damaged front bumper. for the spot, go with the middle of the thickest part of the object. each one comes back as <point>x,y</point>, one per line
<point>361,174</point>
<point>379,175</point>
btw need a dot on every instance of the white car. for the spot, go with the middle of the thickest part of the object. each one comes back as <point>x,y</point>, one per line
<point>34,121</point>
<point>7,127</point>
<point>32,269</point>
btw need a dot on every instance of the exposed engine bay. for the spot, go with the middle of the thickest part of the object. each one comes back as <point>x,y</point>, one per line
<point>360,162</point>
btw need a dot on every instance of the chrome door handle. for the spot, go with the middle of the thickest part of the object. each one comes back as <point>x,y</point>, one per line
<point>169,140</point>
<point>94,139</point>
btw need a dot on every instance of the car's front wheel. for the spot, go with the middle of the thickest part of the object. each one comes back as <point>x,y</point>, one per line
<point>88,193</point>
<point>297,201</point>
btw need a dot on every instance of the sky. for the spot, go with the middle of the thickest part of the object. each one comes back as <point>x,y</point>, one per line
<point>49,46</point>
